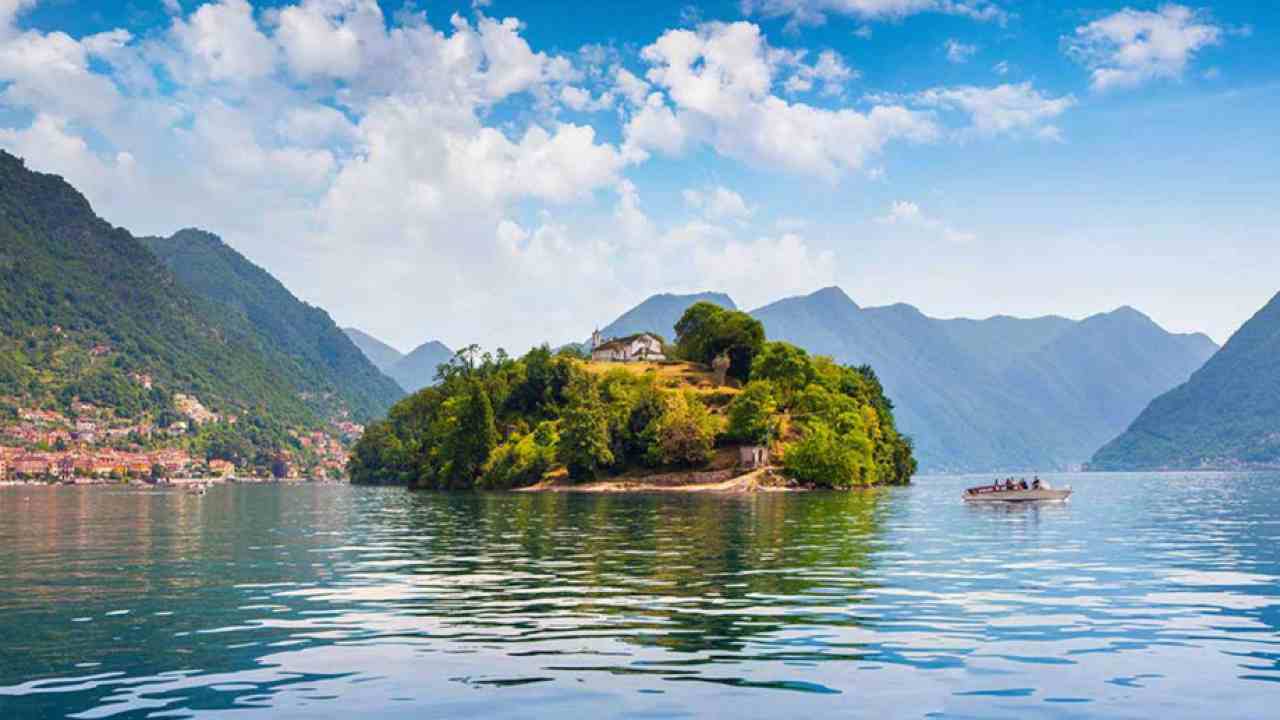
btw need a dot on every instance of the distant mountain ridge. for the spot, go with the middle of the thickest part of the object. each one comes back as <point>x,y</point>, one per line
<point>1226,416</point>
<point>985,395</point>
<point>413,371</point>
<point>382,355</point>
<point>327,362</point>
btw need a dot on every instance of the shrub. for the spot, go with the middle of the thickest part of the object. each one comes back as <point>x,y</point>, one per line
<point>824,458</point>
<point>751,414</point>
<point>684,434</point>
<point>522,460</point>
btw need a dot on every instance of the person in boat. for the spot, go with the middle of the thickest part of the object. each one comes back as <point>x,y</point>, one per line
<point>1022,484</point>
<point>1035,484</point>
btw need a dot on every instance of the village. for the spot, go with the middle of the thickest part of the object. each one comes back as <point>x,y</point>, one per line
<point>90,445</point>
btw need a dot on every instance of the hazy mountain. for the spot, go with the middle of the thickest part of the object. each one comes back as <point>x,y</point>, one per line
<point>1226,416</point>
<point>87,309</point>
<point>418,369</point>
<point>382,355</point>
<point>998,394</point>
<point>327,362</point>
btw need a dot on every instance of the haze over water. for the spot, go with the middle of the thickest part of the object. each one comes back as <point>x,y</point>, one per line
<point>1146,596</point>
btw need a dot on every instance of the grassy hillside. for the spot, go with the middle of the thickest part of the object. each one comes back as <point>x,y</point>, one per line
<point>301,340</point>
<point>85,306</point>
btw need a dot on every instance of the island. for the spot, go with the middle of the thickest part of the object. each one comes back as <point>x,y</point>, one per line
<point>723,408</point>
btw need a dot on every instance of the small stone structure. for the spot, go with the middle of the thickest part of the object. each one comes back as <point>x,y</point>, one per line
<point>721,367</point>
<point>753,457</point>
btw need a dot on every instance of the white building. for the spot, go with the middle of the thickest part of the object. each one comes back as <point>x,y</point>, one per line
<point>635,348</point>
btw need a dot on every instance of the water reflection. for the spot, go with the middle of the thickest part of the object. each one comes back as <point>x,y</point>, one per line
<point>331,601</point>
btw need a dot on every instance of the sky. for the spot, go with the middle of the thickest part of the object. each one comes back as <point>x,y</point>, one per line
<point>508,173</point>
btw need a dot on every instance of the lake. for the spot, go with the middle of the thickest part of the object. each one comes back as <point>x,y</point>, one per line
<point>1145,596</point>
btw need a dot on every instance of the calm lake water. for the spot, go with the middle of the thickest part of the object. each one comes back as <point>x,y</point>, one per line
<point>1146,596</point>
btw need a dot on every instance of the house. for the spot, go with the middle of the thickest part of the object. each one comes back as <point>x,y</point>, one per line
<point>633,348</point>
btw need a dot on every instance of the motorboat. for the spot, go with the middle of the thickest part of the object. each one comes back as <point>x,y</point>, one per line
<point>1039,491</point>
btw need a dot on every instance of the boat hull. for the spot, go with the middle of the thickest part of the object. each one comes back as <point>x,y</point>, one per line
<point>1007,496</point>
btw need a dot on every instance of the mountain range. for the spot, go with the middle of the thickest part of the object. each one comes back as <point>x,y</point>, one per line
<point>980,395</point>
<point>413,371</point>
<point>1226,416</point>
<point>326,363</point>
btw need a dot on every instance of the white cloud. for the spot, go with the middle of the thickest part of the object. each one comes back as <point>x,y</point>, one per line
<point>1131,47</point>
<point>222,42</point>
<point>720,79</point>
<point>320,37</point>
<point>1003,109</point>
<point>958,52</point>
<point>1001,68</point>
<point>909,214</point>
<point>830,70</point>
<point>575,98</point>
<point>814,12</point>
<point>718,203</point>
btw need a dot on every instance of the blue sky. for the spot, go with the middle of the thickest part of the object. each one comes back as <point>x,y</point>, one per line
<point>512,172</point>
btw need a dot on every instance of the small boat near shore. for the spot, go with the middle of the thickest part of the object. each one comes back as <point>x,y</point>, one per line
<point>1016,492</point>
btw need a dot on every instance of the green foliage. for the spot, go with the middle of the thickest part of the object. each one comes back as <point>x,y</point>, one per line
<point>706,331</point>
<point>785,365</point>
<point>300,340</point>
<point>753,414</point>
<point>829,459</point>
<point>494,422</point>
<point>584,431</point>
<point>522,460</point>
<point>684,434</point>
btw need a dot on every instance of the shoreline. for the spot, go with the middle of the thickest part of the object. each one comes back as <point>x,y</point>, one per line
<point>764,480</point>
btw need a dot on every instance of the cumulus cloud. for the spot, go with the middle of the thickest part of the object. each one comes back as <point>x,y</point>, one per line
<point>815,12</point>
<point>908,214</point>
<point>718,203</point>
<point>222,42</point>
<point>720,78</point>
<point>1131,47</point>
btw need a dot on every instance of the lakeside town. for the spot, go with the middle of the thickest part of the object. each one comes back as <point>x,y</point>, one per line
<point>90,444</point>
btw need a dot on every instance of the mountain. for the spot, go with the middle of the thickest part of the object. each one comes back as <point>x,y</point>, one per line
<point>411,372</point>
<point>88,311</point>
<point>324,362</point>
<point>1226,416</point>
<point>997,394</point>
<point>382,355</point>
<point>660,313</point>
<point>418,369</point>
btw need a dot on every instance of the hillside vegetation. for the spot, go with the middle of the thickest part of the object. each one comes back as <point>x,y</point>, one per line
<point>1227,416</point>
<point>497,422</point>
<point>324,363</point>
<point>84,307</point>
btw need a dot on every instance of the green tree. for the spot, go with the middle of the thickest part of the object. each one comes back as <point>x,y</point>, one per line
<point>474,436</point>
<point>825,458</point>
<point>707,330</point>
<point>584,430</point>
<point>522,460</point>
<point>753,414</point>
<point>785,365</point>
<point>684,434</point>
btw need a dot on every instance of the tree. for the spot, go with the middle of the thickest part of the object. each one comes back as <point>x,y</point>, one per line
<point>753,414</point>
<point>707,330</point>
<point>684,434</point>
<point>824,458</point>
<point>584,430</point>
<point>785,365</point>
<point>473,437</point>
<point>522,460</point>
